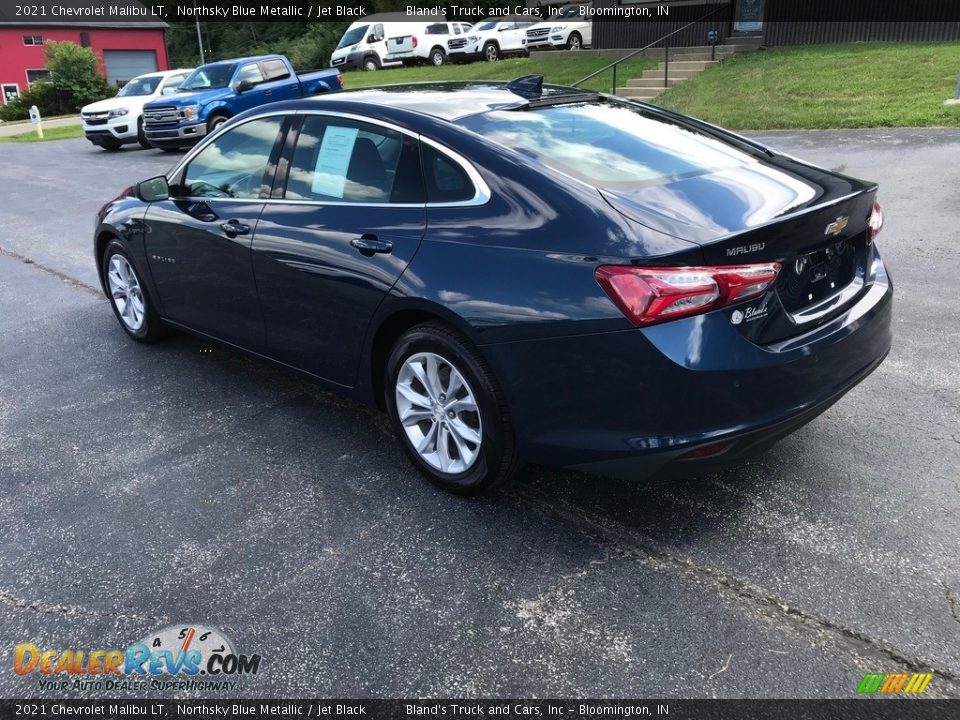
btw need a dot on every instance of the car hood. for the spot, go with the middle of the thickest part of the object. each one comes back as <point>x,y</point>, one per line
<point>134,102</point>
<point>706,207</point>
<point>183,99</point>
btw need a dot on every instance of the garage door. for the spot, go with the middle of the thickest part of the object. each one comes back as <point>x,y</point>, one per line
<point>124,65</point>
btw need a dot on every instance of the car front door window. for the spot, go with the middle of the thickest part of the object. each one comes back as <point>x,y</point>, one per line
<point>235,164</point>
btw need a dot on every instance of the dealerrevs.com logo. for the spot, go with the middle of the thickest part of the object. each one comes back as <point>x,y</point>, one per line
<point>178,657</point>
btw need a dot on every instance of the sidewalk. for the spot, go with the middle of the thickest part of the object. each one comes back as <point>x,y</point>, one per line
<point>15,128</point>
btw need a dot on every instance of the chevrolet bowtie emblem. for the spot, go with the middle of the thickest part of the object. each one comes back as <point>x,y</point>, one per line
<point>837,226</point>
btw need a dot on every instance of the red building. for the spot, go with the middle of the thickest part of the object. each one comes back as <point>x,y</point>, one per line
<point>125,49</point>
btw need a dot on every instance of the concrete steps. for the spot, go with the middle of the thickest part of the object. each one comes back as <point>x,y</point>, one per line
<point>683,64</point>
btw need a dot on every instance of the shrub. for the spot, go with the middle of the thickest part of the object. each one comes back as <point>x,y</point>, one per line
<point>75,74</point>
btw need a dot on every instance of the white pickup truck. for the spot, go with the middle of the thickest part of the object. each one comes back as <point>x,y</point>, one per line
<point>567,30</point>
<point>119,120</point>
<point>428,46</point>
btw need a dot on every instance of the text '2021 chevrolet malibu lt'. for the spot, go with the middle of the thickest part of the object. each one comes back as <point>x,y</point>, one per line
<point>541,275</point>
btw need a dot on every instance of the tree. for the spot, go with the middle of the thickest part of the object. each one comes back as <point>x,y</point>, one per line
<point>74,72</point>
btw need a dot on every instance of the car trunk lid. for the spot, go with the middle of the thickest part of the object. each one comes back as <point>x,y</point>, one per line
<point>814,224</point>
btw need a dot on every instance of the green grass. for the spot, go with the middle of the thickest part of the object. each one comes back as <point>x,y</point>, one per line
<point>833,86</point>
<point>58,133</point>
<point>558,71</point>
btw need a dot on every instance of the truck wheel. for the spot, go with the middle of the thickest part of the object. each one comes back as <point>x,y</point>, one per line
<point>574,42</point>
<point>371,63</point>
<point>491,52</point>
<point>215,122</point>
<point>437,57</point>
<point>141,136</point>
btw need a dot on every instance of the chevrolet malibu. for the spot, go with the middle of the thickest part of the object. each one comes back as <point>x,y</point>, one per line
<point>516,273</point>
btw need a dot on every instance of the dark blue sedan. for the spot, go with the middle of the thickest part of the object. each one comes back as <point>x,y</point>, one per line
<point>516,274</point>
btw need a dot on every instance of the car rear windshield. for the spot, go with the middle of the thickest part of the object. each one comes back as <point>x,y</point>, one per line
<point>607,144</point>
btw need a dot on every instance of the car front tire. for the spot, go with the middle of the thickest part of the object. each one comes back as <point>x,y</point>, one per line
<point>371,64</point>
<point>129,298</point>
<point>448,411</point>
<point>141,136</point>
<point>575,42</point>
<point>491,52</point>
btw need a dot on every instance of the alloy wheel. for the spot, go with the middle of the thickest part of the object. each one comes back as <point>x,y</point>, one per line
<point>439,413</point>
<point>126,292</point>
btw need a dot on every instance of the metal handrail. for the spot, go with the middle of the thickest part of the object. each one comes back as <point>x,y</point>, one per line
<point>647,47</point>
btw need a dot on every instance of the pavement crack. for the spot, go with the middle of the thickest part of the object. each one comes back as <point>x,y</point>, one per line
<point>626,544</point>
<point>39,606</point>
<point>726,666</point>
<point>953,603</point>
<point>50,271</point>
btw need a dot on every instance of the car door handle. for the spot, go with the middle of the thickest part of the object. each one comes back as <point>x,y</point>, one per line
<point>370,244</point>
<point>233,228</point>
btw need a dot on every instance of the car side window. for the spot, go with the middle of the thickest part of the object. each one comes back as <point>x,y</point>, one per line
<point>340,160</point>
<point>172,81</point>
<point>275,70</point>
<point>235,164</point>
<point>456,28</point>
<point>446,181</point>
<point>251,73</point>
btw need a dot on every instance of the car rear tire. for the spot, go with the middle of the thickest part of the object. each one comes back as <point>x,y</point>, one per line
<point>574,42</point>
<point>129,298</point>
<point>491,52</point>
<point>141,136</point>
<point>371,63</point>
<point>438,57</point>
<point>448,411</point>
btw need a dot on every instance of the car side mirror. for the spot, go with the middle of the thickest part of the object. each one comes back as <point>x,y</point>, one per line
<point>153,190</point>
<point>373,37</point>
<point>244,85</point>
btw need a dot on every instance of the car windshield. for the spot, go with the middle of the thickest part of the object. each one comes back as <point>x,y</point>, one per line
<point>140,86</point>
<point>486,25</point>
<point>208,76</point>
<point>607,144</point>
<point>352,37</point>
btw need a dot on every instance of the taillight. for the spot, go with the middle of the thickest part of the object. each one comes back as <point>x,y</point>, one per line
<point>649,295</point>
<point>875,224</point>
<point>414,40</point>
<point>340,80</point>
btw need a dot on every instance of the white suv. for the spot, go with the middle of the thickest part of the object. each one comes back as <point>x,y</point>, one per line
<point>429,46</point>
<point>119,120</point>
<point>565,31</point>
<point>491,40</point>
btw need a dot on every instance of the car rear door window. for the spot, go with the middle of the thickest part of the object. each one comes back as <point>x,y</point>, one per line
<point>341,160</point>
<point>235,164</point>
<point>275,70</point>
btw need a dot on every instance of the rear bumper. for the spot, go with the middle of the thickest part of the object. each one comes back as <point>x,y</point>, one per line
<point>630,403</point>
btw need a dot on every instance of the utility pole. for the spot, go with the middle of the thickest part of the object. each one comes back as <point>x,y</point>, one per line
<point>199,37</point>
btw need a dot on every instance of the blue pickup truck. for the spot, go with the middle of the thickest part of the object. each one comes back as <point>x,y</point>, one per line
<point>217,91</point>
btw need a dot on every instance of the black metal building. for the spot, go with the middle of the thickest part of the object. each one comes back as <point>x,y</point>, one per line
<point>773,22</point>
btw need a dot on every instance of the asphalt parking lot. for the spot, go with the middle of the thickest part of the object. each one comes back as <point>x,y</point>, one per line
<point>147,486</point>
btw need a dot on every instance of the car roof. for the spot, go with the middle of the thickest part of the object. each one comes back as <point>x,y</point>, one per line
<point>238,60</point>
<point>443,100</point>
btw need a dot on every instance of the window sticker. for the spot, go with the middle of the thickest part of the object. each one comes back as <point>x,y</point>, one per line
<point>330,174</point>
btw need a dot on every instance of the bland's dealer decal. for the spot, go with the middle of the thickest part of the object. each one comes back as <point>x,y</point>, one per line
<point>174,658</point>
